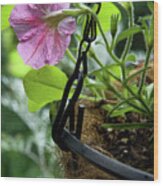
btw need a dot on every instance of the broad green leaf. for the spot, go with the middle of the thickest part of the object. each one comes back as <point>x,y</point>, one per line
<point>128,32</point>
<point>33,106</point>
<point>5,14</point>
<point>127,125</point>
<point>44,86</point>
<point>16,66</point>
<point>107,10</point>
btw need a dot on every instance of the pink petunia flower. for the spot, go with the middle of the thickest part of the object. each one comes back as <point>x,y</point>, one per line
<point>41,43</point>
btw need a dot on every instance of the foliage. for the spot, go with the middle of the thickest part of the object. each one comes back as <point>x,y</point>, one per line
<point>26,143</point>
<point>125,126</point>
<point>16,66</point>
<point>44,86</point>
<point>115,74</point>
<point>5,14</point>
<point>106,12</point>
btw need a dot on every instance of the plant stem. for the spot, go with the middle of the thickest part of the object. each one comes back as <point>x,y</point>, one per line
<point>135,74</point>
<point>128,43</point>
<point>93,55</point>
<point>70,55</point>
<point>127,100</point>
<point>129,40</point>
<point>138,98</point>
<point>124,84</point>
<point>114,57</point>
<point>112,88</point>
<point>143,78</point>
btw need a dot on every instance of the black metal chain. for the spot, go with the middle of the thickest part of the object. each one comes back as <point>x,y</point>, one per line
<point>67,105</point>
<point>70,139</point>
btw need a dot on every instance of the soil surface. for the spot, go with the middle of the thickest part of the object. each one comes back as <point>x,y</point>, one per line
<point>133,147</point>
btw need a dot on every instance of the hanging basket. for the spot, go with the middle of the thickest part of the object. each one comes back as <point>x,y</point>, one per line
<point>76,128</point>
<point>128,146</point>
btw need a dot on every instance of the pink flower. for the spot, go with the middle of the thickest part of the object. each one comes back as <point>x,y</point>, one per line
<point>40,43</point>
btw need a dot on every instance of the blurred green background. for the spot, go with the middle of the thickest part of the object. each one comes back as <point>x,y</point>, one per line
<point>27,149</point>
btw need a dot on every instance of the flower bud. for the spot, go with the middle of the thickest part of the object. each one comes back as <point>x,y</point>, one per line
<point>114,24</point>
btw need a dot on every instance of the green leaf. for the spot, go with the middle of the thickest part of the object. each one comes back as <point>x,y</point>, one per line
<point>103,73</point>
<point>150,96</point>
<point>127,125</point>
<point>95,84</point>
<point>131,57</point>
<point>116,70</point>
<point>33,106</point>
<point>128,32</point>
<point>114,24</point>
<point>12,126</point>
<point>136,74</point>
<point>126,5</point>
<point>107,10</point>
<point>44,86</point>
<point>122,111</point>
<point>148,28</point>
<point>16,66</point>
<point>150,91</point>
<point>5,14</point>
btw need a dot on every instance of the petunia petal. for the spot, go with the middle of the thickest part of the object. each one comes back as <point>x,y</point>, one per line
<point>45,47</point>
<point>56,45</point>
<point>59,6</point>
<point>23,20</point>
<point>40,44</point>
<point>67,26</point>
<point>33,50</point>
